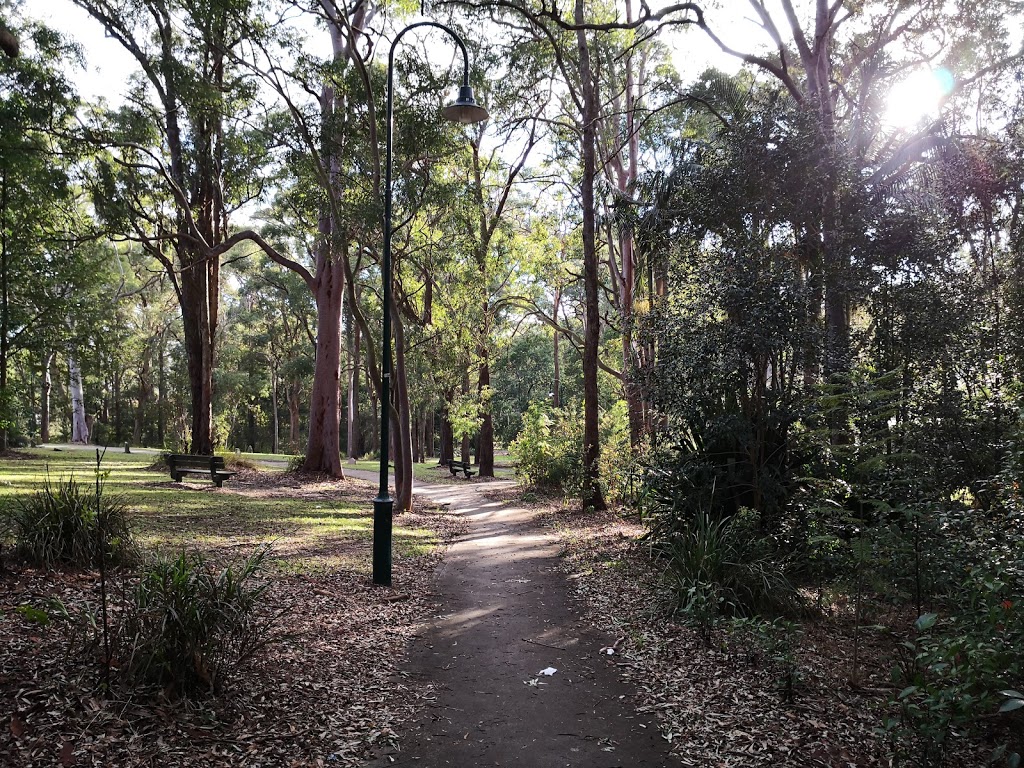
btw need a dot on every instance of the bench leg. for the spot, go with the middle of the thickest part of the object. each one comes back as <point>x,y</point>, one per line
<point>219,482</point>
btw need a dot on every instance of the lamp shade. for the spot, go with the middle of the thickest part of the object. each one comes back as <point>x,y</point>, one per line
<point>465,109</point>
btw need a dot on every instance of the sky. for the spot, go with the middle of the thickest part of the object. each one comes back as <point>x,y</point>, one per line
<point>108,65</point>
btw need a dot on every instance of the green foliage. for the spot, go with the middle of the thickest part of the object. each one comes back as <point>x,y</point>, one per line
<point>465,413</point>
<point>34,615</point>
<point>963,666</point>
<point>549,450</point>
<point>189,625</point>
<point>777,642</point>
<point>720,567</point>
<point>61,525</point>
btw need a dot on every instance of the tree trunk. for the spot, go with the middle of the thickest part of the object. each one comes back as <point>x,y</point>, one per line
<point>465,436</point>
<point>79,426</point>
<point>5,312</point>
<point>323,446</point>
<point>294,394</point>
<point>556,390</point>
<point>44,398</point>
<point>592,496</point>
<point>161,394</point>
<point>145,386</point>
<point>485,451</point>
<point>275,419</point>
<point>446,454</point>
<point>195,312</point>
<point>355,448</point>
<point>403,471</point>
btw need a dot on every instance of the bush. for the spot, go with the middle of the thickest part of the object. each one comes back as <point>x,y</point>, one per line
<point>548,452</point>
<point>61,525</point>
<point>717,567</point>
<point>957,668</point>
<point>187,625</point>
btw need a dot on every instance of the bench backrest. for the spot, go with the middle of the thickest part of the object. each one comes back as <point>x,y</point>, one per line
<point>189,461</point>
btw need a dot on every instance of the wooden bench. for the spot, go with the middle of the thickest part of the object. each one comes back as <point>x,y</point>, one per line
<point>461,466</point>
<point>182,464</point>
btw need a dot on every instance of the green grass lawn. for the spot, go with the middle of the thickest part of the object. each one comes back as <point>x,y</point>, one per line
<point>319,526</point>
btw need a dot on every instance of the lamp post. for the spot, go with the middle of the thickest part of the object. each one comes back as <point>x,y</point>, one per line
<point>463,110</point>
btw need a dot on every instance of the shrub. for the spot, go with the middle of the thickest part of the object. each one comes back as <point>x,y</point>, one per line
<point>717,567</point>
<point>187,624</point>
<point>776,642</point>
<point>549,450</point>
<point>63,525</point>
<point>957,669</point>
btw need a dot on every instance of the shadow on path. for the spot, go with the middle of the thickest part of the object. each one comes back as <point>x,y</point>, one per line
<point>506,615</point>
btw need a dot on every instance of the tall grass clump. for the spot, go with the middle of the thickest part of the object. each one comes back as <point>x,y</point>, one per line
<point>717,567</point>
<point>188,624</point>
<point>68,524</point>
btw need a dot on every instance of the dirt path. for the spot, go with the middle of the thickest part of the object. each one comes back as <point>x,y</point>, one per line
<point>505,615</point>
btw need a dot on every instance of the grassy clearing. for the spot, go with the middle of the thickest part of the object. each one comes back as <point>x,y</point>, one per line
<point>317,528</point>
<point>339,640</point>
<point>430,472</point>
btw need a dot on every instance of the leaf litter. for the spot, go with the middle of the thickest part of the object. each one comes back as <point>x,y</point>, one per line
<point>723,706</point>
<point>331,692</point>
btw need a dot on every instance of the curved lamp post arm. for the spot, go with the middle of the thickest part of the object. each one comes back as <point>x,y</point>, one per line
<point>451,33</point>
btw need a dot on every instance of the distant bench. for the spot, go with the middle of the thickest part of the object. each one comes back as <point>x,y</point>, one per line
<point>461,466</point>
<point>182,464</point>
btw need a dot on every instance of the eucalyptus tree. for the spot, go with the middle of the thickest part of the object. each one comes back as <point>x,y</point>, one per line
<point>180,158</point>
<point>839,61</point>
<point>490,190</point>
<point>40,216</point>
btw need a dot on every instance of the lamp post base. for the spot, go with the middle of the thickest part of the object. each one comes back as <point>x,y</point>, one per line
<point>383,507</point>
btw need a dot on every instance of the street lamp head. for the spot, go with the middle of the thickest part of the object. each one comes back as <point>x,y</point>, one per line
<point>465,109</point>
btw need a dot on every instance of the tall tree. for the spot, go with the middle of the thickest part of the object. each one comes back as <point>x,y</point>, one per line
<point>39,213</point>
<point>178,167</point>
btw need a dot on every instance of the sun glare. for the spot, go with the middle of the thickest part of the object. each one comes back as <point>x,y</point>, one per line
<point>918,97</point>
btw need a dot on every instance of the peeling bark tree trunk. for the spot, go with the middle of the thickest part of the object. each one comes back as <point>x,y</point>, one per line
<point>592,496</point>
<point>44,398</point>
<point>199,328</point>
<point>79,426</point>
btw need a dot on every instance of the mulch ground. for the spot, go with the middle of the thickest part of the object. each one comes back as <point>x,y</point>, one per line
<point>723,705</point>
<point>330,692</point>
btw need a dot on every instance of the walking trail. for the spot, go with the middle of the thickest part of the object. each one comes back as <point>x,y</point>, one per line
<point>505,614</point>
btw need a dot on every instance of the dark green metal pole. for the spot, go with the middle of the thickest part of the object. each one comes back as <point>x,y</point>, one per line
<point>465,110</point>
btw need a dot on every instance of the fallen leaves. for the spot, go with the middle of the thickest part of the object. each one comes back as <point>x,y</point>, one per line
<point>332,691</point>
<point>719,706</point>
